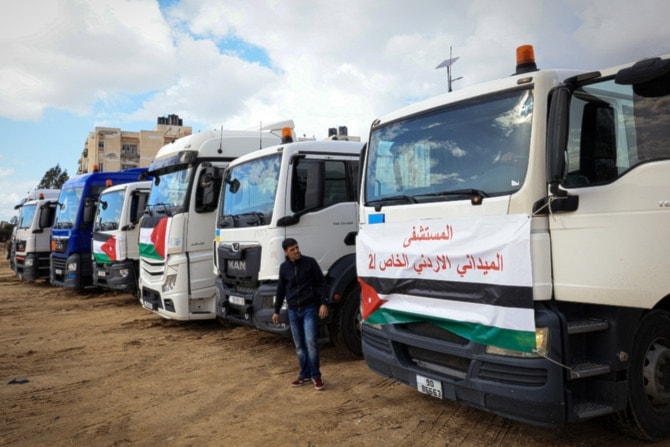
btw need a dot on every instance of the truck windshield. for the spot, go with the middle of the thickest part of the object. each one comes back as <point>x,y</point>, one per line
<point>108,216</point>
<point>27,217</point>
<point>249,192</point>
<point>479,146</point>
<point>169,193</point>
<point>66,212</point>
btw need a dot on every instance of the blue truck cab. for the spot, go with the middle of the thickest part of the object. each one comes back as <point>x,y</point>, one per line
<point>71,233</point>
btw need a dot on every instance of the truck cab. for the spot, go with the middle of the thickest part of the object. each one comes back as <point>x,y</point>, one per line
<point>116,236</point>
<point>512,242</point>
<point>305,190</point>
<point>33,232</point>
<point>176,231</point>
<point>72,231</point>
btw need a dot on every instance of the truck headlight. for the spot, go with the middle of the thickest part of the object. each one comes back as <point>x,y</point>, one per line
<point>72,266</point>
<point>169,283</point>
<point>541,343</point>
<point>28,262</point>
<point>123,273</point>
<point>284,306</point>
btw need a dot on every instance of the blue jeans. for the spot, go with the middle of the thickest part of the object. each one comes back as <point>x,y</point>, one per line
<point>305,331</point>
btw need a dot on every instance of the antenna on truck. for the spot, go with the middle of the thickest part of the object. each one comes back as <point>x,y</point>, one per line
<point>448,63</point>
<point>220,151</point>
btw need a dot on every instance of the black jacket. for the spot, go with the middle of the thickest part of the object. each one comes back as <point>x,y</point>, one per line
<point>301,283</point>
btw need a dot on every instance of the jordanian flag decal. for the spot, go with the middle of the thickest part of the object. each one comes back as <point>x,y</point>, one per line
<point>153,237</point>
<point>470,276</point>
<point>106,248</point>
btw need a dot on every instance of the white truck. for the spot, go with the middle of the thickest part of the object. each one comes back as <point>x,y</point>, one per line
<point>115,240</point>
<point>31,245</point>
<point>512,248</point>
<point>305,190</point>
<point>176,232</point>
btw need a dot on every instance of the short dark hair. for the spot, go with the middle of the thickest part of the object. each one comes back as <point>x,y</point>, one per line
<point>288,242</point>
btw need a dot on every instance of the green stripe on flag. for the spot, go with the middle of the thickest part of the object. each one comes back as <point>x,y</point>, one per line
<point>523,341</point>
<point>101,258</point>
<point>149,251</point>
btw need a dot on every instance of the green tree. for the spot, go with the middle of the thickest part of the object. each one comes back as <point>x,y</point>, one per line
<point>53,178</point>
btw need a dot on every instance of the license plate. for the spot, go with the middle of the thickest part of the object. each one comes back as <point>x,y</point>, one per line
<point>429,386</point>
<point>238,300</point>
<point>148,305</point>
<point>102,273</point>
<point>58,271</point>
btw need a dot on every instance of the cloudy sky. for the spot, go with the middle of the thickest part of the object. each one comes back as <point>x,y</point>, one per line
<point>71,65</point>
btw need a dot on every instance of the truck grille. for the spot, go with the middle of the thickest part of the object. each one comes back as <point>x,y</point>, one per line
<point>239,267</point>
<point>429,330</point>
<point>512,375</point>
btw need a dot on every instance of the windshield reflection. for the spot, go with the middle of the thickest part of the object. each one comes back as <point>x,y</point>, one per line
<point>110,206</point>
<point>27,217</point>
<point>169,193</point>
<point>253,194</point>
<point>481,146</point>
<point>66,212</point>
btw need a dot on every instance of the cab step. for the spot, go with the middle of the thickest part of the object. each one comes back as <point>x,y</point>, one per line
<point>587,325</point>
<point>588,369</point>
<point>590,409</point>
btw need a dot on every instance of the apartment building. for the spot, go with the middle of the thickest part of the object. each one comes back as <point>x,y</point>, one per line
<point>113,149</point>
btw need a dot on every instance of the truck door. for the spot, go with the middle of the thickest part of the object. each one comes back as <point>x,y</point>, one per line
<point>612,247</point>
<point>323,194</point>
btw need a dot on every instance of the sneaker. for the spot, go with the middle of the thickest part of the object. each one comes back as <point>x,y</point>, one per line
<point>300,381</point>
<point>318,384</point>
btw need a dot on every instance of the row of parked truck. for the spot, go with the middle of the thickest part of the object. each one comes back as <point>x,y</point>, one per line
<point>503,245</point>
<point>186,239</point>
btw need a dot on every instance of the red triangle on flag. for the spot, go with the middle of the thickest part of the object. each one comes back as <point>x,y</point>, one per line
<point>109,248</point>
<point>158,236</point>
<point>370,301</point>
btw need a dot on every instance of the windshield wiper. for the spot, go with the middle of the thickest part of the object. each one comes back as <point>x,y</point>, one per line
<point>162,208</point>
<point>226,220</point>
<point>259,217</point>
<point>400,197</point>
<point>469,192</point>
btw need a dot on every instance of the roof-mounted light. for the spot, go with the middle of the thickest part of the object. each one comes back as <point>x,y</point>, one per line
<point>286,135</point>
<point>525,59</point>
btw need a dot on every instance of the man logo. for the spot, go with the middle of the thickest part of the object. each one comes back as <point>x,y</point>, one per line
<point>237,265</point>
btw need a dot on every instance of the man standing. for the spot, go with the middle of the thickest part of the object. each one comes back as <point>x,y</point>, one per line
<point>301,283</point>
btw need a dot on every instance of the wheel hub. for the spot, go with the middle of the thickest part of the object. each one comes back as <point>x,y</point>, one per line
<point>656,373</point>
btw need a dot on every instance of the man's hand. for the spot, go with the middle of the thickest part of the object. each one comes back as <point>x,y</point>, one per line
<point>323,311</point>
<point>275,319</point>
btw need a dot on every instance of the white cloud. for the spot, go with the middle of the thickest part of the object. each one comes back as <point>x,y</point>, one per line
<point>67,54</point>
<point>328,63</point>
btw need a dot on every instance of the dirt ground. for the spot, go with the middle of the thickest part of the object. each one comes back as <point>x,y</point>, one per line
<point>102,371</point>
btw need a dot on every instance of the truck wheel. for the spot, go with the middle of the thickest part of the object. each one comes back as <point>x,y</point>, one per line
<point>348,322</point>
<point>648,412</point>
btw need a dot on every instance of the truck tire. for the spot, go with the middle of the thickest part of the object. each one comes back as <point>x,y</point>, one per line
<point>348,323</point>
<point>648,412</point>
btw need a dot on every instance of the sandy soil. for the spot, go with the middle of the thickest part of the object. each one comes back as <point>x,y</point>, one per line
<point>102,371</point>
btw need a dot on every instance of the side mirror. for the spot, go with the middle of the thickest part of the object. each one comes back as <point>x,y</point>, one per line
<point>207,194</point>
<point>234,186</point>
<point>89,210</point>
<point>288,221</point>
<point>557,139</point>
